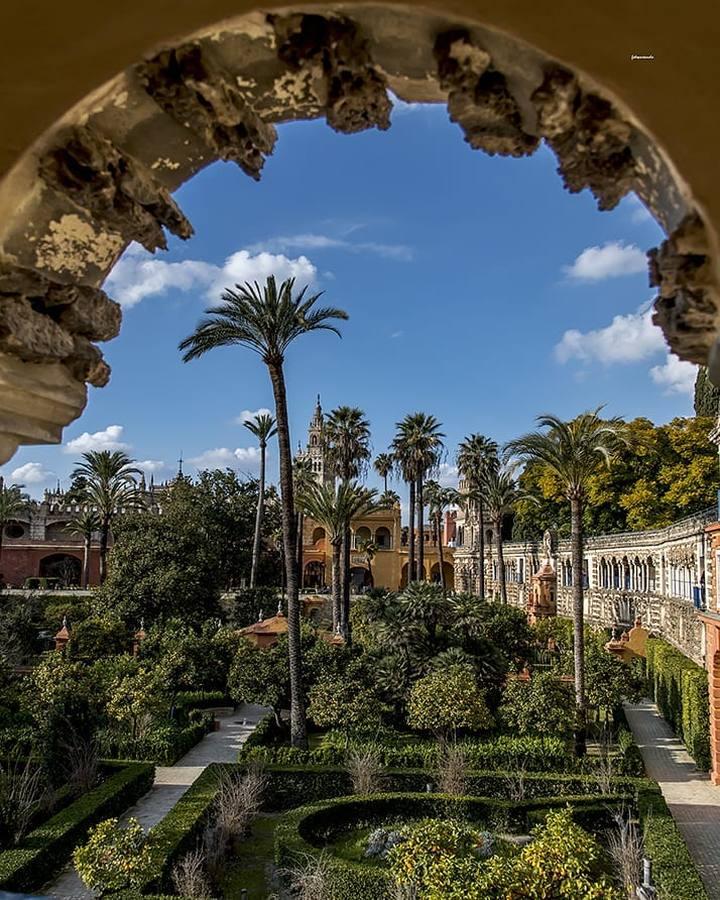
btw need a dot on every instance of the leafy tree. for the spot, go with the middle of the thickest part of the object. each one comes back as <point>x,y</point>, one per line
<point>261,676</point>
<point>268,321</point>
<point>263,427</point>
<point>99,635</point>
<point>165,566</point>
<point>538,706</point>
<point>574,451</point>
<point>476,456</point>
<point>609,680</point>
<point>114,858</point>
<point>445,702</point>
<point>11,503</point>
<point>346,702</point>
<point>109,487</point>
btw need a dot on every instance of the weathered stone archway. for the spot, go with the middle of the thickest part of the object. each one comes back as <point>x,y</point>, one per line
<point>102,174</point>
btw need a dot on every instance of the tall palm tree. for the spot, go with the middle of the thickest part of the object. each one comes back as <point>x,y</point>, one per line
<point>438,499</point>
<point>334,508</point>
<point>383,465</point>
<point>346,443</point>
<point>501,492</point>
<point>302,476</point>
<point>263,427</point>
<point>85,524</point>
<point>109,487</point>
<point>405,465</point>
<point>11,503</point>
<point>476,455</point>
<point>267,320</point>
<point>574,451</point>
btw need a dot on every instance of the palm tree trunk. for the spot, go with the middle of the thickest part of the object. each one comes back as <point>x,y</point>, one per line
<point>336,585</point>
<point>500,559</point>
<point>2,529</point>
<point>370,574</point>
<point>300,528</point>
<point>385,482</point>
<point>576,539</point>
<point>298,727</point>
<point>411,534</point>
<point>345,624</point>
<point>438,535</point>
<point>104,537</point>
<point>258,519</point>
<point>86,561</point>
<point>421,530</point>
<point>481,526</point>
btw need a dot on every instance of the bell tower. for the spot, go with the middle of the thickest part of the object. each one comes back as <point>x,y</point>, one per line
<point>315,447</point>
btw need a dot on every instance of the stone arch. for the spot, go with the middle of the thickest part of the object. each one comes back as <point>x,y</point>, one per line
<point>103,174</point>
<point>59,531</point>
<point>383,538</point>
<point>360,578</point>
<point>318,534</point>
<point>361,536</point>
<point>16,530</point>
<point>64,567</point>
<point>449,572</point>
<point>314,574</point>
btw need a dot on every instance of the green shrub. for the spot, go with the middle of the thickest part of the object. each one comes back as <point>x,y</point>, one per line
<point>114,857</point>
<point>164,744</point>
<point>46,849</point>
<point>680,688</point>
<point>673,869</point>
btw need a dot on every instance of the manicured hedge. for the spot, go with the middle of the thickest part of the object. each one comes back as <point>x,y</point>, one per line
<point>680,688</point>
<point>306,831</point>
<point>308,784</point>
<point>179,831</point>
<point>187,700</point>
<point>46,849</point>
<point>163,745</point>
<point>674,872</point>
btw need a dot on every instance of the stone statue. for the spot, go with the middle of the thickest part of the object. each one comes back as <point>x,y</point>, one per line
<point>547,546</point>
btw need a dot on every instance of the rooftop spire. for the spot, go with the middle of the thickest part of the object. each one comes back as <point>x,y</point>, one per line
<point>180,469</point>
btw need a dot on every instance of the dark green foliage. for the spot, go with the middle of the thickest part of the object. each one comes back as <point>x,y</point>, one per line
<point>290,785</point>
<point>246,604</point>
<point>680,688</point>
<point>301,832</point>
<point>100,635</point>
<point>49,847</point>
<point>707,395</point>
<point>673,869</point>
<point>163,744</point>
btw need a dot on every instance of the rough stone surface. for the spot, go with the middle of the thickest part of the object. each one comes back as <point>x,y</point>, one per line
<point>590,139</point>
<point>687,305</point>
<point>479,99</point>
<point>201,96</point>
<point>115,188</point>
<point>31,335</point>
<point>352,90</point>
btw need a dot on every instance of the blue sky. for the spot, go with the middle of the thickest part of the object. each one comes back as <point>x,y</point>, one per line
<point>478,290</point>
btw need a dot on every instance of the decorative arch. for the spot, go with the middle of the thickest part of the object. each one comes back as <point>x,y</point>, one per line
<point>102,175</point>
<point>383,538</point>
<point>64,567</point>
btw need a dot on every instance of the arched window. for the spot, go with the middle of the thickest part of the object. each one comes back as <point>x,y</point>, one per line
<point>383,538</point>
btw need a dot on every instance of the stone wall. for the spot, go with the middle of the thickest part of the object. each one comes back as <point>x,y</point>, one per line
<point>659,575</point>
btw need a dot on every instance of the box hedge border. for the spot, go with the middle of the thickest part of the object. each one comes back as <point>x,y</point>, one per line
<point>48,848</point>
<point>301,833</point>
<point>679,686</point>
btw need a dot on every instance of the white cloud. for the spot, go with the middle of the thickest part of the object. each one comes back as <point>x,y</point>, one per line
<point>311,241</point>
<point>151,466</point>
<point>609,261</point>
<point>30,473</point>
<point>247,414</point>
<point>109,439</point>
<point>224,458</point>
<point>397,334</point>
<point>626,339</point>
<point>138,274</point>
<point>448,475</point>
<point>675,375</point>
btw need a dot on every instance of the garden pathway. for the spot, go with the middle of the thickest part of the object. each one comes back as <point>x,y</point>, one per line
<point>171,782</point>
<point>692,799</point>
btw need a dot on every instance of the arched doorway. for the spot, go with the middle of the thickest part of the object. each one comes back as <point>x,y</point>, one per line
<point>360,579</point>
<point>448,571</point>
<point>63,568</point>
<point>314,575</point>
<point>161,115</point>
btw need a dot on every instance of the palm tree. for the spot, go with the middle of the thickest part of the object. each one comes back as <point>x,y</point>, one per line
<point>476,455</point>
<point>267,320</point>
<point>109,487</point>
<point>334,508</point>
<point>439,498</point>
<point>417,447</point>
<point>263,427</point>
<point>302,476</point>
<point>85,524</point>
<point>11,503</point>
<point>369,548</point>
<point>574,451</point>
<point>346,443</point>
<point>501,492</point>
<point>383,465</point>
